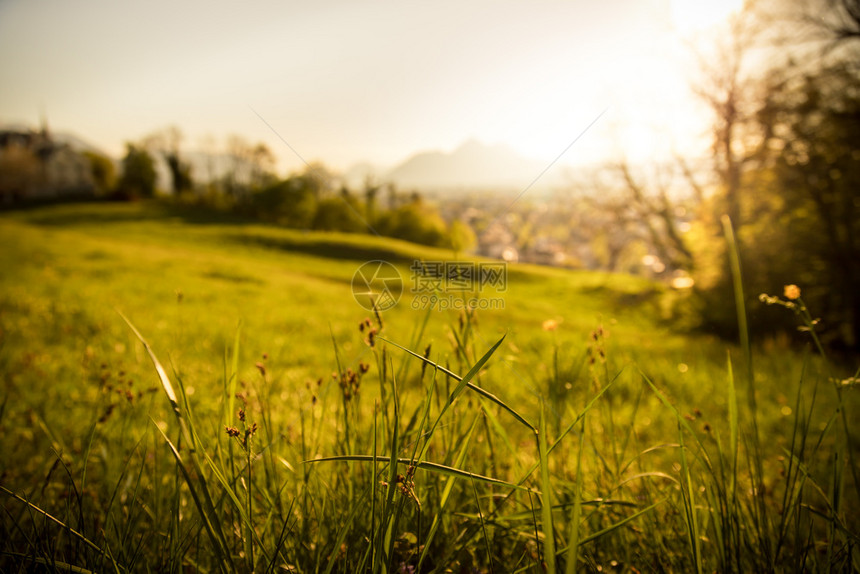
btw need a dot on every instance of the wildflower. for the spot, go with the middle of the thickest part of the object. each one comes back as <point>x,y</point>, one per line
<point>792,292</point>
<point>232,431</point>
<point>550,325</point>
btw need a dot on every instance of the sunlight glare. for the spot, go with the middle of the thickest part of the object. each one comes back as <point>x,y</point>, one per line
<point>690,16</point>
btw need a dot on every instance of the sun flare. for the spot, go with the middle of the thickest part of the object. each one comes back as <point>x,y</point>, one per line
<point>691,16</point>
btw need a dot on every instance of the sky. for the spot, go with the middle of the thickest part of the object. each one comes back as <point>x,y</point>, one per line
<point>345,82</point>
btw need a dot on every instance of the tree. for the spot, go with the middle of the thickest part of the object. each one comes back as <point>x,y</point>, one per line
<point>786,170</point>
<point>461,237</point>
<point>342,213</point>
<point>730,87</point>
<point>287,202</point>
<point>812,152</point>
<point>371,192</point>
<point>727,86</point>
<point>414,221</point>
<point>834,22</point>
<point>658,214</point>
<point>262,161</point>
<point>167,143</point>
<point>103,171</point>
<point>250,167</point>
<point>180,173</point>
<point>138,173</point>
<point>237,179</point>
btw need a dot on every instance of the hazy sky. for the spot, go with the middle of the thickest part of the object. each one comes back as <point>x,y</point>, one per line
<point>352,81</point>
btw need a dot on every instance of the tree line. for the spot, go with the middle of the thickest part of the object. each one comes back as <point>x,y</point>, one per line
<point>312,199</point>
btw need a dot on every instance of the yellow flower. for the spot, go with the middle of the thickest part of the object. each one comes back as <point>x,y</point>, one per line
<point>550,325</point>
<point>792,292</point>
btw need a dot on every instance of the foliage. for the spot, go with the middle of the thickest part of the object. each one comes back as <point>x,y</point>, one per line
<point>341,213</point>
<point>138,173</point>
<point>180,173</point>
<point>103,171</point>
<point>812,165</point>
<point>250,168</point>
<point>415,221</point>
<point>783,167</point>
<point>462,238</point>
<point>290,202</point>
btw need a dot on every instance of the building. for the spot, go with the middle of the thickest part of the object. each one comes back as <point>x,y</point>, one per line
<point>35,166</point>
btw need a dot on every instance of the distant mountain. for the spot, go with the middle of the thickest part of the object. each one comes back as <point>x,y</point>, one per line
<point>473,165</point>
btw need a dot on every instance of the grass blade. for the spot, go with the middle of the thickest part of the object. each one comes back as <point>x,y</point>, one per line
<point>218,542</point>
<point>546,497</point>
<point>688,493</point>
<point>576,514</point>
<point>465,381</point>
<point>613,527</point>
<point>233,378</point>
<point>425,465</point>
<point>200,492</point>
<point>446,494</point>
<point>57,521</point>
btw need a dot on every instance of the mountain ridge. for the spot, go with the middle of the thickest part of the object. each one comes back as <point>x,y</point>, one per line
<point>472,165</point>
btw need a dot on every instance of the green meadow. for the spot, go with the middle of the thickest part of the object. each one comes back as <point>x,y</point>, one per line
<point>186,391</point>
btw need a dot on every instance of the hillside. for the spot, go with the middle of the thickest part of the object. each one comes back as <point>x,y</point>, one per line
<point>136,256</point>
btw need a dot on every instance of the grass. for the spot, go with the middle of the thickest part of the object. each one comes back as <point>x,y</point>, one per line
<point>250,416</point>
